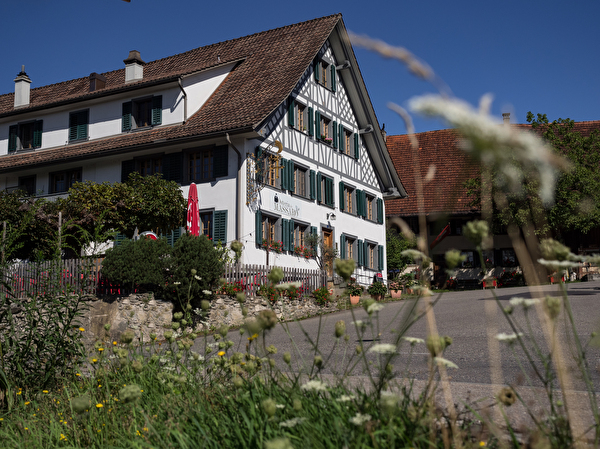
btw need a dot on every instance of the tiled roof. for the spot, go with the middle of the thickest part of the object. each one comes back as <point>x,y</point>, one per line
<point>272,62</point>
<point>445,192</point>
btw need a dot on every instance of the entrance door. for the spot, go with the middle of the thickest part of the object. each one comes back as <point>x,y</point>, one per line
<point>328,256</point>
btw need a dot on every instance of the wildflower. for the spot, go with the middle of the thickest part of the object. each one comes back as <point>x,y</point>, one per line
<point>552,305</point>
<point>82,329</point>
<point>445,362</point>
<point>413,341</point>
<point>115,343</point>
<point>454,258</point>
<point>287,358</point>
<point>555,251</point>
<point>340,328</point>
<point>130,393</point>
<point>437,344</point>
<point>221,353</point>
<point>359,419</point>
<point>279,443</point>
<point>198,278</point>
<point>204,305</point>
<point>414,254</point>
<point>267,318</point>
<point>383,348</point>
<point>253,337</point>
<point>318,361</point>
<point>507,396</point>
<point>99,405</point>
<point>314,385</point>
<point>476,231</point>
<point>272,349</point>
<point>45,391</point>
<point>269,407</point>
<point>62,437</point>
<point>100,349</point>
<point>358,323</point>
<point>27,403</point>
<point>346,398</point>
<point>292,422</point>
<point>558,264</point>
<point>375,307</point>
<point>389,402</point>
<point>177,283</point>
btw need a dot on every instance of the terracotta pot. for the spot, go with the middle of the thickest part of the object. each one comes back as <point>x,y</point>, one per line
<point>396,294</point>
<point>354,299</point>
<point>377,297</point>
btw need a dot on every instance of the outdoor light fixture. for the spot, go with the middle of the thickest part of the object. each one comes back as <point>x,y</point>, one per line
<point>331,216</point>
<point>368,129</point>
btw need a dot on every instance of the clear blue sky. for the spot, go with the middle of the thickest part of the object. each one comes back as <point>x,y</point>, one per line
<point>538,56</point>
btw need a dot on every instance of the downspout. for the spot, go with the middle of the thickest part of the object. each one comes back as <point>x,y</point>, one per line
<point>184,99</point>
<point>238,193</point>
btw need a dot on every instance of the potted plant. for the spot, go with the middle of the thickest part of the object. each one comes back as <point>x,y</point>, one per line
<point>377,290</point>
<point>354,291</point>
<point>395,287</point>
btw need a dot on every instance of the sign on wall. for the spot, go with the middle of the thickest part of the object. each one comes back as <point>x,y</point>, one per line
<point>285,205</point>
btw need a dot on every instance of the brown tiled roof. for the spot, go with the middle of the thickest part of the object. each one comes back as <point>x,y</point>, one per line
<point>445,193</point>
<point>271,64</point>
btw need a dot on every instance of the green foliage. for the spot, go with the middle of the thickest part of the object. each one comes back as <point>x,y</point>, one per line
<point>268,291</point>
<point>322,296</point>
<point>344,268</point>
<point>193,253</point>
<point>395,244</point>
<point>377,289</point>
<point>142,262</point>
<point>323,254</point>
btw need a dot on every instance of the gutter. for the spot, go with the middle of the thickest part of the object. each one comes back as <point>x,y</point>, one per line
<point>238,192</point>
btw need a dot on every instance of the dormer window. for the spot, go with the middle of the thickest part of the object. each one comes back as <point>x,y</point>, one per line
<point>142,113</point>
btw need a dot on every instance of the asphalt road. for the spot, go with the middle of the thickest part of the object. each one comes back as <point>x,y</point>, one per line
<point>461,315</point>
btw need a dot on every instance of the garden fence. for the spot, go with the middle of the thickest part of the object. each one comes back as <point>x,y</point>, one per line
<point>83,276</point>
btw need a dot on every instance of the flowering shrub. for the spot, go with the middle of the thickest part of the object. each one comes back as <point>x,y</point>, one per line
<point>232,289</point>
<point>353,289</point>
<point>377,289</point>
<point>269,292</point>
<point>322,296</point>
<point>276,246</point>
<point>510,278</point>
<point>304,251</point>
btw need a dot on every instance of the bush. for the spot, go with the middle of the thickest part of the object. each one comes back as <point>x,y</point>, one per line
<point>143,263</point>
<point>193,253</point>
<point>322,296</point>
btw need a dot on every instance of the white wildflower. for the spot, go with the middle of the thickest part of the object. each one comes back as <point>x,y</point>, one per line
<point>375,307</point>
<point>198,278</point>
<point>509,338</point>
<point>413,341</point>
<point>383,348</point>
<point>516,301</point>
<point>177,283</point>
<point>495,145</point>
<point>292,422</point>
<point>280,406</point>
<point>530,302</point>
<point>422,290</point>
<point>445,362</point>
<point>346,398</point>
<point>525,302</point>
<point>207,292</point>
<point>413,254</point>
<point>314,385</point>
<point>360,419</point>
<point>358,323</point>
<point>558,264</point>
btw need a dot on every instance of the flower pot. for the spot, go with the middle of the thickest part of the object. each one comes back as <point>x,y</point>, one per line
<point>396,294</point>
<point>354,299</point>
<point>377,297</point>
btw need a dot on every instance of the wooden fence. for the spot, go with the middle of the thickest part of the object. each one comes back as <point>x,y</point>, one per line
<point>83,276</point>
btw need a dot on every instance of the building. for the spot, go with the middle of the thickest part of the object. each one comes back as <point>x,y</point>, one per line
<point>444,169</point>
<point>276,129</point>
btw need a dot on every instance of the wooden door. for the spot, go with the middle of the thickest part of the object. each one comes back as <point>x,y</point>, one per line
<point>328,243</point>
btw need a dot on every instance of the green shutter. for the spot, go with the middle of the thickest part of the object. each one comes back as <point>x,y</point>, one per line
<point>285,233</point>
<point>313,185</point>
<point>361,253</point>
<point>357,193</point>
<point>356,146</point>
<point>258,228</point>
<point>78,125</point>
<point>342,139</point>
<point>311,122</point>
<point>329,192</point>
<point>319,193</point>
<point>173,167</point>
<point>342,199</point>
<point>126,116</point>
<point>12,138</point>
<point>220,161</point>
<point>317,124</point>
<point>220,226</point>
<point>119,239</point>
<point>127,167</point>
<point>335,135</point>
<point>73,122</point>
<point>284,173</point>
<point>379,211</point>
<point>291,112</point>
<point>333,78</point>
<point>291,176</point>
<point>380,257</point>
<point>292,225</point>
<point>38,127</point>
<point>157,110</point>
<point>173,236</point>
<point>363,200</point>
<point>342,246</point>
<point>317,68</point>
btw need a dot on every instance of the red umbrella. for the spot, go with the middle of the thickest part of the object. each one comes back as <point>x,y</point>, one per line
<point>193,213</point>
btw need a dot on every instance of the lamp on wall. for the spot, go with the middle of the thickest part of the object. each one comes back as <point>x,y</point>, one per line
<point>331,216</point>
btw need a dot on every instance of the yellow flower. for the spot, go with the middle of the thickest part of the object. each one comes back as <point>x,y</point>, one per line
<point>27,403</point>
<point>45,391</point>
<point>145,429</point>
<point>62,437</point>
<point>115,343</point>
<point>94,360</point>
<point>19,392</point>
<point>482,443</point>
<point>221,353</point>
<point>78,374</point>
<point>100,349</point>
<point>81,329</point>
<point>99,405</point>
<point>253,337</point>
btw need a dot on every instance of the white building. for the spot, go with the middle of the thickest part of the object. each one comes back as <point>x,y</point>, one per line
<point>203,116</point>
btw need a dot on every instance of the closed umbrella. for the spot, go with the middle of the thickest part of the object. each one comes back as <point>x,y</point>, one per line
<point>193,212</point>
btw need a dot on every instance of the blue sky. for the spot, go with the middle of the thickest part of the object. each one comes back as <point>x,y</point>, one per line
<point>532,56</point>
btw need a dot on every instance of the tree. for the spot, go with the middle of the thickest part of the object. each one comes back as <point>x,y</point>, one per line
<point>395,244</point>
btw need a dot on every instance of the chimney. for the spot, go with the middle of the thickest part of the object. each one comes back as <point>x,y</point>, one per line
<point>506,118</point>
<point>97,81</point>
<point>384,133</point>
<point>22,88</point>
<point>134,67</point>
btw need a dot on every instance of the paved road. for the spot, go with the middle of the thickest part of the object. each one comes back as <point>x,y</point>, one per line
<point>460,315</point>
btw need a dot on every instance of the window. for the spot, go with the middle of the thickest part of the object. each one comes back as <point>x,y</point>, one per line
<point>78,125</point>
<point>300,175</point>
<point>325,190</point>
<point>347,199</point>
<point>200,166</point>
<point>25,136</point>
<point>370,208</point>
<point>27,184</point>
<point>346,146</point>
<point>142,113</point>
<point>63,180</point>
<point>509,258</point>
<point>150,166</point>
<point>270,229</point>
<point>300,233</point>
<point>325,74</point>
<point>214,225</point>
<point>326,132</point>
<point>470,260</point>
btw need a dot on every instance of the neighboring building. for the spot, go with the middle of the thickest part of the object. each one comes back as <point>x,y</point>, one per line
<point>207,116</point>
<point>444,169</point>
